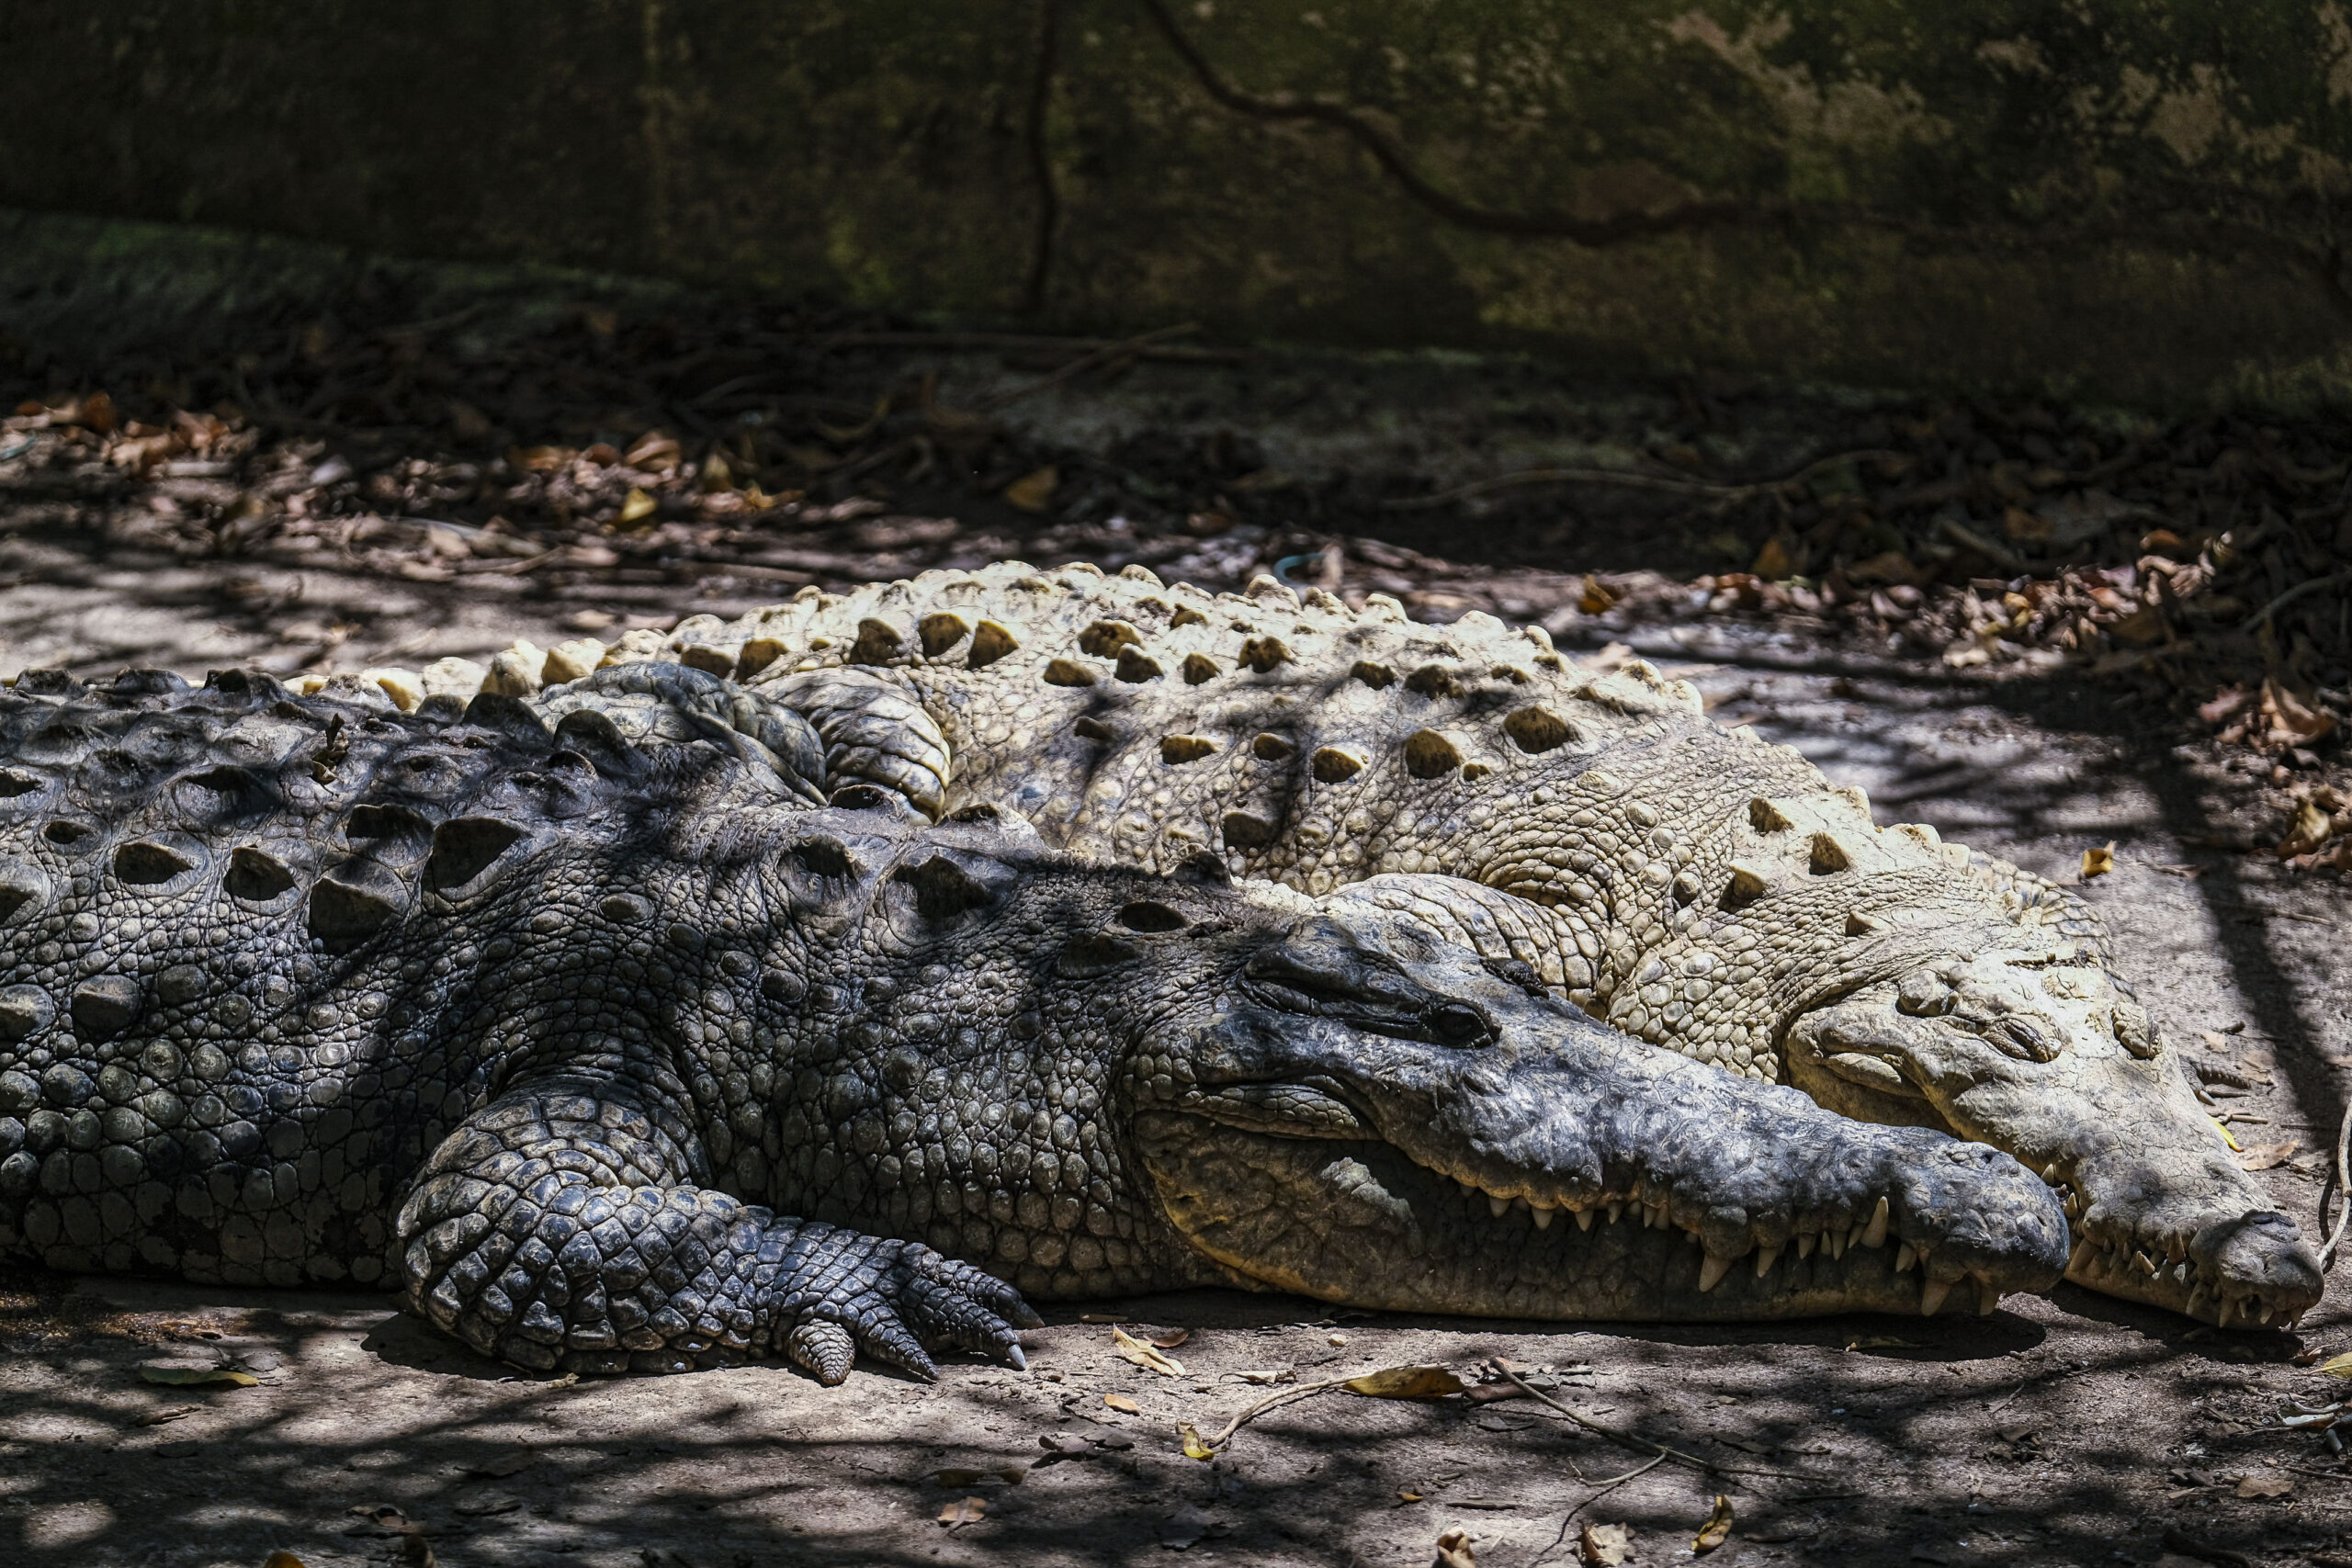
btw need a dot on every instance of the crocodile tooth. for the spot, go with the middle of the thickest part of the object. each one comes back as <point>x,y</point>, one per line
<point>1806,1242</point>
<point>1988,1299</point>
<point>1543,1218</point>
<point>1765,1255</point>
<point>2177,1249</point>
<point>1616,1209</point>
<point>2195,1300</point>
<point>2050,1173</point>
<point>1584,1219</point>
<point>1876,1234</point>
<point>1836,1243</point>
<point>1653,1216</point>
<point>2081,1254</point>
<point>1904,1256</point>
<point>1498,1207</point>
<point>1931,1296</point>
<point>2146,1265</point>
<point>1712,1272</point>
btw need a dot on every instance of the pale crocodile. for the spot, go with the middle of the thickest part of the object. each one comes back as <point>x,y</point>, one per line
<point>1689,885</point>
<point>615,1052</point>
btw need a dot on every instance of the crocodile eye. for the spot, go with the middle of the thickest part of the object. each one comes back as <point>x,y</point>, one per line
<point>1456,1023</point>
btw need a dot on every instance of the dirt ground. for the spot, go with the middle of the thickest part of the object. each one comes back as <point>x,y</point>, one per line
<point>2075,1429</point>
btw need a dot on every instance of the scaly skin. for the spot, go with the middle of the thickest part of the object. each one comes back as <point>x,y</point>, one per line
<point>614,1054</point>
<point>1689,885</point>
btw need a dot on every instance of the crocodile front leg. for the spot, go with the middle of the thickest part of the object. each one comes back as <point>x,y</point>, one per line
<point>556,1228</point>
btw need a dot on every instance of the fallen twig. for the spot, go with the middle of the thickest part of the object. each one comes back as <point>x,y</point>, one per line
<point>1224,1433</point>
<point>1628,477</point>
<point>1108,353</point>
<point>1606,1488</point>
<point>1640,1444</point>
<point>2343,1187</point>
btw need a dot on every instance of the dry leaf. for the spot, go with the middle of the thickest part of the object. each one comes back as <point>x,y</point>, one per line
<point>175,1376</point>
<point>1597,597</point>
<point>2266,1484</point>
<point>1716,1530</point>
<point>173,1413</point>
<point>2310,830</point>
<point>281,1560</point>
<point>1603,1546</point>
<point>2292,721</point>
<point>1774,561</point>
<point>638,507</point>
<point>1194,1448</point>
<point>1148,1356</point>
<point>2338,1365</point>
<point>1881,1342</point>
<point>1033,489</point>
<point>1184,1527</point>
<point>1121,1403</point>
<point>654,451</point>
<point>1268,1376</point>
<point>1453,1551</point>
<point>2098,863</point>
<point>1169,1340</point>
<point>2266,1156</point>
<point>964,1511</point>
<point>1407,1383</point>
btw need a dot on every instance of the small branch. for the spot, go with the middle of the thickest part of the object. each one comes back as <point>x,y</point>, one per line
<point>1108,353</point>
<point>1273,1400</point>
<point>1391,158</point>
<point>2197,236</point>
<point>1606,1488</point>
<point>2315,585</point>
<point>1640,1444</point>
<point>1628,479</point>
<point>2330,1252</point>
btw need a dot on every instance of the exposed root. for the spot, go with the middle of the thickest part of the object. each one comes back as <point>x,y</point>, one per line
<point>2341,1188</point>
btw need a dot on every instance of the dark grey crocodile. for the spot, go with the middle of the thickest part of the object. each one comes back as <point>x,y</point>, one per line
<point>557,1031</point>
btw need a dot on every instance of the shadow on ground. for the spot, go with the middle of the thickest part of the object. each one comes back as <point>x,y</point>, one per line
<point>2051,1432</point>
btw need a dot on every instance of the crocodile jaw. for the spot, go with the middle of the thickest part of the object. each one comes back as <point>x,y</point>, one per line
<point>2157,1211</point>
<point>1360,1222</point>
<point>1548,1168</point>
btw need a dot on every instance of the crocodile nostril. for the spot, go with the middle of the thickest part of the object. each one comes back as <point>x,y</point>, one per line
<point>2021,1036</point>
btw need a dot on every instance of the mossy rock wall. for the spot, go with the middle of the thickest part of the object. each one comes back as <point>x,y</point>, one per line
<point>2130,201</point>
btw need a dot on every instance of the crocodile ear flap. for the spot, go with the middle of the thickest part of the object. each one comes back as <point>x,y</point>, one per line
<point>593,735</point>
<point>1096,952</point>
<point>464,847</point>
<point>507,716</point>
<point>944,889</point>
<point>1204,869</point>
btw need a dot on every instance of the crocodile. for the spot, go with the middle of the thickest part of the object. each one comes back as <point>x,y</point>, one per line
<point>1688,884</point>
<point>586,1027</point>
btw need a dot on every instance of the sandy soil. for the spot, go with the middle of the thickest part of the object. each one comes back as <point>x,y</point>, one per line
<point>2069,1430</point>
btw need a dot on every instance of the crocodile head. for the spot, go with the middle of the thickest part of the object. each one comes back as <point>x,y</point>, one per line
<point>1333,1102</point>
<point>2031,1049</point>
